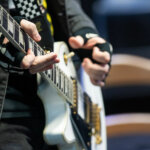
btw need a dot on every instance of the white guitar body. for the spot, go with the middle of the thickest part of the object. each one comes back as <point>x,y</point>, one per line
<point>73,117</point>
<point>59,129</point>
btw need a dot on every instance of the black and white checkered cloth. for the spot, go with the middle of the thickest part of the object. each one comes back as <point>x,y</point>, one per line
<point>28,8</point>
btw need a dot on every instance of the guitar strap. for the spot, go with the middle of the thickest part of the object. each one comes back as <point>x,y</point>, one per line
<point>35,12</point>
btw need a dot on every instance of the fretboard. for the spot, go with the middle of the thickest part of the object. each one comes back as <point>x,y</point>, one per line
<point>22,41</point>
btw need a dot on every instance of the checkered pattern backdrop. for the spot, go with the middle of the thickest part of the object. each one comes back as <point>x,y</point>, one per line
<point>28,8</point>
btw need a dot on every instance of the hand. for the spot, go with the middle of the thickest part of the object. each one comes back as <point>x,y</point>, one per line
<point>96,71</point>
<point>30,61</point>
<point>38,63</point>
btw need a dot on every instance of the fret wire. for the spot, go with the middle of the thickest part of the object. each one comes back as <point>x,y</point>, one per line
<point>42,52</point>
<point>59,79</point>
<point>72,92</point>
<point>39,50</point>
<point>57,76</point>
<point>31,44</point>
<point>46,72</point>
<point>79,89</point>
<point>10,18</point>
<point>66,86</point>
<point>21,41</point>
<point>49,73</point>
<point>54,73</point>
<point>35,49</point>
<point>5,21</point>
<point>26,41</point>
<point>68,90</point>
<point>70,87</point>
<point>10,26</point>
<point>62,82</point>
<point>16,36</point>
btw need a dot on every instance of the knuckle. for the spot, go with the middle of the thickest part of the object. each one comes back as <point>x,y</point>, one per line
<point>101,56</point>
<point>25,65</point>
<point>107,57</point>
<point>106,68</point>
<point>34,64</point>
<point>93,54</point>
<point>47,58</point>
<point>32,27</point>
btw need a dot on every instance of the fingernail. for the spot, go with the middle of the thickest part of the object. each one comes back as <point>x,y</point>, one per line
<point>38,37</point>
<point>57,60</point>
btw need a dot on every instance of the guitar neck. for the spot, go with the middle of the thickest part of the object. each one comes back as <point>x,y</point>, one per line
<point>22,41</point>
<point>69,88</point>
<point>12,30</point>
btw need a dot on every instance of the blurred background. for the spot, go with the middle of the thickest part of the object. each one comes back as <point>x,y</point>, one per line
<point>126,25</point>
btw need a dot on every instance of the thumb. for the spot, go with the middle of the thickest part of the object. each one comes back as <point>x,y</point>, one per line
<point>76,42</point>
<point>28,60</point>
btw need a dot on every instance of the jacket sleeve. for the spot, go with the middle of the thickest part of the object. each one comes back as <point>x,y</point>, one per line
<point>77,19</point>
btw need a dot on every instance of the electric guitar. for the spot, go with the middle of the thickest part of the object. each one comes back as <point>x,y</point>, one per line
<point>75,118</point>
